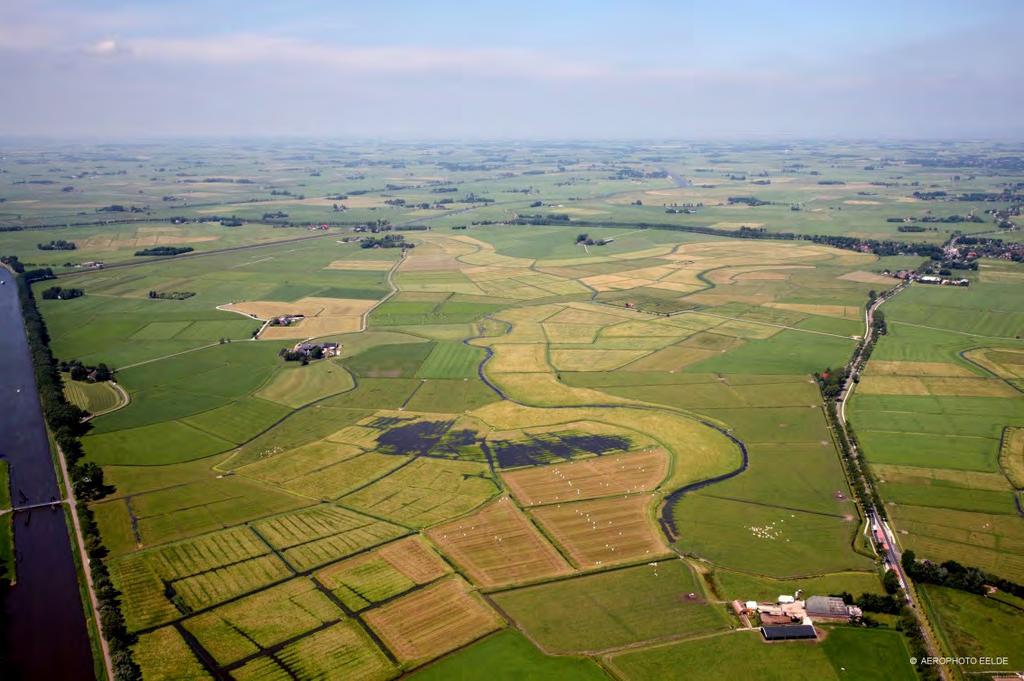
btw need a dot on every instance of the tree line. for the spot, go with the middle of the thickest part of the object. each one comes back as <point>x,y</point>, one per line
<point>65,422</point>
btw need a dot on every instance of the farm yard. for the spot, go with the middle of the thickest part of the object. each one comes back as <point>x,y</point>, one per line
<point>567,457</point>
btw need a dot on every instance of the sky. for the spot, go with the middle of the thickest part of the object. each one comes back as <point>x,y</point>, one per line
<point>689,69</point>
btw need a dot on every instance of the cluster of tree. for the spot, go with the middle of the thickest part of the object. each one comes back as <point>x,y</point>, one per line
<point>912,228</point>
<point>444,190</point>
<point>473,198</point>
<point>831,182</point>
<point>231,222</point>
<point>39,274</point>
<point>748,200</point>
<point>412,228</point>
<point>303,356</point>
<point>84,372</point>
<point>386,241</point>
<point>878,323</point>
<point>831,382</point>
<point>542,219</point>
<point>277,215</point>
<point>956,576</point>
<point>886,603</point>
<point>170,295</point>
<point>916,641</point>
<point>61,293</point>
<point>66,424</point>
<point>949,219</point>
<point>12,262</point>
<point>585,239</point>
<point>118,208</point>
<point>57,245</point>
<point>165,250</point>
<point>10,228</point>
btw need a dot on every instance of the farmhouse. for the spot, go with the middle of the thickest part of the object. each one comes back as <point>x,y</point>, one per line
<point>311,349</point>
<point>287,319</point>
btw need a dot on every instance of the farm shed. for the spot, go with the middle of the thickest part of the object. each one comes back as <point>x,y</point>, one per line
<point>830,608</point>
<point>789,633</point>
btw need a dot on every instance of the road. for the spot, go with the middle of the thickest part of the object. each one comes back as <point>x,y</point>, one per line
<point>893,554</point>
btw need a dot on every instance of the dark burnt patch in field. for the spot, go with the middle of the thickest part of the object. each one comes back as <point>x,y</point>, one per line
<point>545,449</point>
<point>415,439</point>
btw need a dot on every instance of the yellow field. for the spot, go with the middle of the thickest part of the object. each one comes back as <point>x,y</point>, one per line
<point>361,265</point>
<point>936,385</point>
<point>323,316</point>
<point>498,545</point>
<point>587,478</point>
<point>868,278</point>
<point>605,531</point>
<point>841,311</point>
<point>1003,362</point>
<point>586,359</point>
<point>917,475</point>
<point>433,621</point>
<point>894,368</point>
<point>518,358</point>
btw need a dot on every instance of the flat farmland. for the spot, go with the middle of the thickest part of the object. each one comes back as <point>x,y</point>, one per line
<point>472,485</point>
<point>605,531</point>
<point>611,609</point>
<point>432,621</point>
<point>498,545</point>
<point>587,478</point>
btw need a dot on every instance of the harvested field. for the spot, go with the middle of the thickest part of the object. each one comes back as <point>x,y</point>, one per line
<point>323,316</point>
<point>587,478</point>
<point>936,385</point>
<point>498,545</point>
<point>842,311</point>
<point>863,277</point>
<point>433,621</point>
<point>361,265</point>
<point>1005,363</point>
<point>883,367</point>
<point>605,531</point>
<point>593,360</point>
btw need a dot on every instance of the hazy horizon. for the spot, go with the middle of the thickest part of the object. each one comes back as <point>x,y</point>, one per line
<point>686,71</point>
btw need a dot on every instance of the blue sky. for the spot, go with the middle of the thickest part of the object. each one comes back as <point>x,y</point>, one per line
<point>685,69</point>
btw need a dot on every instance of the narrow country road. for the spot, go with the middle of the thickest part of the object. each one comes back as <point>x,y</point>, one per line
<point>893,554</point>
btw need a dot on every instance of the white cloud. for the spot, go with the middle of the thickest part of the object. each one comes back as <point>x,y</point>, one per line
<point>103,48</point>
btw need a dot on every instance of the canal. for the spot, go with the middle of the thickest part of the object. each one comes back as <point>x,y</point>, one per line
<point>44,632</point>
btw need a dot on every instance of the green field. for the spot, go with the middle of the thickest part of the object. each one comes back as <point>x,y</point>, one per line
<point>509,656</point>
<point>974,626</point>
<point>864,655</point>
<point>618,608</point>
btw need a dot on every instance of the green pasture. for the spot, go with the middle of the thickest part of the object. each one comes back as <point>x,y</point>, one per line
<point>509,656</point>
<point>619,607</point>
